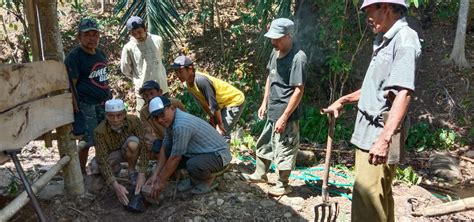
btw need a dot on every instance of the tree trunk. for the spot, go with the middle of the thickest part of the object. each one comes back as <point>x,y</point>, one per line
<point>458,55</point>
<point>53,49</point>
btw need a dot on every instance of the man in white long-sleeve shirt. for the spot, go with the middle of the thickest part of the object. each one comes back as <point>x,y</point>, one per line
<point>142,58</point>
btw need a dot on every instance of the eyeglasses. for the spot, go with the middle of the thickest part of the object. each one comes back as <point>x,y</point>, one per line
<point>162,114</point>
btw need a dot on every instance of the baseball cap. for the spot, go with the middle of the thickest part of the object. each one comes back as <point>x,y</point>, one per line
<point>370,2</point>
<point>279,28</point>
<point>135,22</point>
<point>88,24</point>
<point>181,62</point>
<point>158,105</point>
<point>114,105</point>
<point>150,84</point>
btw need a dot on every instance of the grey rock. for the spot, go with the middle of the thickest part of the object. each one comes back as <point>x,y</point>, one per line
<point>242,199</point>
<point>445,166</point>
<point>212,202</point>
<point>51,190</point>
<point>469,154</point>
<point>94,183</point>
<point>219,202</point>
<point>267,203</point>
<point>199,219</point>
<point>305,158</point>
<point>287,214</point>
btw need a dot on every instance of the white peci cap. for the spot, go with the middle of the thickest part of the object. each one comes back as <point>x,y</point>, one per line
<point>114,105</point>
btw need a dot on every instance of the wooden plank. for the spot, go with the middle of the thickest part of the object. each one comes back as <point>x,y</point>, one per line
<point>20,83</point>
<point>24,123</point>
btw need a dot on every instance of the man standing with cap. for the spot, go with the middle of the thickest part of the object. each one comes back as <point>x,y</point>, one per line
<point>280,139</point>
<point>142,58</point>
<point>383,100</point>
<point>192,142</point>
<point>87,69</point>
<point>119,138</point>
<point>220,100</point>
<point>154,132</point>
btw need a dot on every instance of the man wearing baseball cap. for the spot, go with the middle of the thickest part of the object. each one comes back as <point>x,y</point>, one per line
<point>279,141</point>
<point>383,100</point>
<point>154,132</point>
<point>142,56</point>
<point>88,74</point>
<point>191,142</point>
<point>222,101</point>
<point>119,138</point>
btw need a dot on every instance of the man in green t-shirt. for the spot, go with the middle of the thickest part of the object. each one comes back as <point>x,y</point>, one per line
<point>284,89</point>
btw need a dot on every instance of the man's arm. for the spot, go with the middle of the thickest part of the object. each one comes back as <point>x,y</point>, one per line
<point>379,150</point>
<point>126,63</point>
<point>292,104</point>
<point>263,106</point>
<point>337,106</point>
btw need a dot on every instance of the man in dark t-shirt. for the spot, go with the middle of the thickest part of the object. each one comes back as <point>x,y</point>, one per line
<point>87,70</point>
<point>279,141</point>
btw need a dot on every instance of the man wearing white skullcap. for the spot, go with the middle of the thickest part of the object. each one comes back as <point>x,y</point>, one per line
<point>119,139</point>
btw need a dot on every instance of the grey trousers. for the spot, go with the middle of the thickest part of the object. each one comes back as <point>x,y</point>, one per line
<point>202,166</point>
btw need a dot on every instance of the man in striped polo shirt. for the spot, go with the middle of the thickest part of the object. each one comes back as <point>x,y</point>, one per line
<point>190,141</point>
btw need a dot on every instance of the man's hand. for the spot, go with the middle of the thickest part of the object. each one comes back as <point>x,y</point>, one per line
<point>220,128</point>
<point>140,183</point>
<point>158,186</point>
<point>262,110</point>
<point>379,151</point>
<point>336,108</point>
<point>280,125</point>
<point>121,193</point>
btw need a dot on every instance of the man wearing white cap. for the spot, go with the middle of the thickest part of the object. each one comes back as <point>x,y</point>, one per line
<point>119,139</point>
<point>188,141</point>
<point>142,57</point>
<point>383,100</point>
<point>280,139</point>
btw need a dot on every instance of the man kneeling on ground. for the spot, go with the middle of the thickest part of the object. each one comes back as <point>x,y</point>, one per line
<point>119,139</point>
<point>190,141</point>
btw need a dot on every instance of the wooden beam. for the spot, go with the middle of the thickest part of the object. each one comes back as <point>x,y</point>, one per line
<point>20,83</point>
<point>21,200</point>
<point>24,123</point>
<point>33,29</point>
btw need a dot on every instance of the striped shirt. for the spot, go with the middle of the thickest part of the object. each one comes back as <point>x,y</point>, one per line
<point>108,140</point>
<point>191,136</point>
<point>153,127</point>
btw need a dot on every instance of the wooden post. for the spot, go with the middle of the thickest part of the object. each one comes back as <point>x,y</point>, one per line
<point>33,29</point>
<point>53,49</point>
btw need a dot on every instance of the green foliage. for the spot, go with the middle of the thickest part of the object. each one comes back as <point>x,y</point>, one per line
<point>314,127</point>
<point>422,137</point>
<point>408,176</point>
<point>247,141</point>
<point>191,104</point>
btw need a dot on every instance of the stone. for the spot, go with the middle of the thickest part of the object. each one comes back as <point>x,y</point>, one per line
<point>305,158</point>
<point>242,199</point>
<point>287,214</point>
<point>199,219</point>
<point>445,166</point>
<point>51,190</point>
<point>211,202</point>
<point>94,183</point>
<point>469,154</point>
<point>267,203</point>
<point>219,202</point>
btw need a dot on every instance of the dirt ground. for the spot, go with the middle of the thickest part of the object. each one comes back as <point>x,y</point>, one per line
<point>235,200</point>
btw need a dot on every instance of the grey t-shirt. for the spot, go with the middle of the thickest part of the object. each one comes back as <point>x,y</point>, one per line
<point>392,67</point>
<point>285,74</point>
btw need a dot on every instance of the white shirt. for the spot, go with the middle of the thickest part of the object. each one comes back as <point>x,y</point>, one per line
<point>143,61</point>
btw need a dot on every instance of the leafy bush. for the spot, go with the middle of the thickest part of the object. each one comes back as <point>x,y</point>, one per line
<point>422,137</point>
<point>408,176</point>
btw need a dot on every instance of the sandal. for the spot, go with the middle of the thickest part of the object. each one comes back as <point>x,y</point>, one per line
<point>203,188</point>
<point>184,185</point>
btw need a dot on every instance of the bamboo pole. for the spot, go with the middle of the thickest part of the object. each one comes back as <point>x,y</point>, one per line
<point>21,200</point>
<point>447,208</point>
<point>53,49</point>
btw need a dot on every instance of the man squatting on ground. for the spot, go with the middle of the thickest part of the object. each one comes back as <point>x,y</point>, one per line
<point>154,132</point>
<point>220,100</point>
<point>119,138</point>
<point>386,89</point>
<point>87,69</point>
<point>189,142</point>
<point>284,89</point>
<point>142,58</point>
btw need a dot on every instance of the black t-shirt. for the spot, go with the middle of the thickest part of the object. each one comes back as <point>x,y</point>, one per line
<point>91,74</point>
<point>285,74</point>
